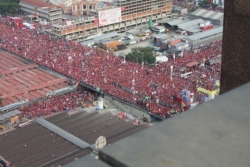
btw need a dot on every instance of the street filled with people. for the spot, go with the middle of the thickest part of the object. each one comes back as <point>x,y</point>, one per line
<point>193,6</point>
<point>50,105</point>
<point>152,88</point>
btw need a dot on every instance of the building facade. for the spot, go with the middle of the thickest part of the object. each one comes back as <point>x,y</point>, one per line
<point>133,13</point>
<point>42,9</point>
<point>83,7</point>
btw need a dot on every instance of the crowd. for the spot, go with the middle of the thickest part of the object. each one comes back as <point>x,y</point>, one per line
<point>50,105</point>
<point>216,9</point>
<point>192,6</point>
<point>145,86</point>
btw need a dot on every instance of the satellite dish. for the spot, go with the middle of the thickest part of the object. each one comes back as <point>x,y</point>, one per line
<point>100,142</point>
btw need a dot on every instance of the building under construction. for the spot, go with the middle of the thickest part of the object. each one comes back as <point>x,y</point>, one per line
<point>133,13</point>
<point>39,8</point>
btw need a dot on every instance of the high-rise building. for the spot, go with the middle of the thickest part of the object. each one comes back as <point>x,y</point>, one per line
<point>119,16</point>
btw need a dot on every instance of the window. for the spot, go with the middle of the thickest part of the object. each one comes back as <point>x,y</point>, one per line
<point>84,6</point>
<point>90,7</point>
<point>74,8</point>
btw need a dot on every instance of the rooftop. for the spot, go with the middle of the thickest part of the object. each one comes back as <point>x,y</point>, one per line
<point>9,114</point>
<point>190,23</point>
<point>22,80</point>
<point>205,33</point>
<point>22,147</point>
<point>173,22</point>
<point>161,36</point>
<point>37,3</point>
<point>207,14</point>
<point>102,37</point>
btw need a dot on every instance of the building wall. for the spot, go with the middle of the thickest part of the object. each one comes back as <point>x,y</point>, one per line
<point>137,113</point>
<point>235,65</point>
<point>128,21</point>
<point>52,13</point>
<point>83,7</point>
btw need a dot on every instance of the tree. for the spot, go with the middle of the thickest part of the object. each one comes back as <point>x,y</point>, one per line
<point>9,6</point>
<point>142,54</point>
<point>214,5</point>
<point>204,3</point>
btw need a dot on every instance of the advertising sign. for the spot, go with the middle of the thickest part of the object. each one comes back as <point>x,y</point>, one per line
<point>110,16</point>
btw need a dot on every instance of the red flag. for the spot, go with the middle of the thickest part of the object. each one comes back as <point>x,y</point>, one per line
<point>96,21</point>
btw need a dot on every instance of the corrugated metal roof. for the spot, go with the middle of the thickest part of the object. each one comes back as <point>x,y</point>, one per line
<point>161,36</point>
<point>114,34</point>
<point>195,12</point>
<point>66,135</point>
<point>87,42</point>
<point>205,34</point>
<point>174,22</point>
<point>16,112</point>
<point>201,12</point>
<point>218,16</point>
<point>209,13</point>
<point>9,114</point>
<point>190,23</point>
<point>193,29</point>
<point>180,44</point>
<point>37,3</point>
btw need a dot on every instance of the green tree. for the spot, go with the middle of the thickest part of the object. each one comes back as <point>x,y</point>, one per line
<point>9,6</point>
<point>142,54</point>
<point>214,5</point>
<point>204,3</point>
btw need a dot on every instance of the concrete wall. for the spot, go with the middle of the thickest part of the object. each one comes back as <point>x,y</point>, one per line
<point>137,113</point>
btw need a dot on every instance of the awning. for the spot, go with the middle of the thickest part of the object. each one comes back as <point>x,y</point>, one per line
<point>191,64</point>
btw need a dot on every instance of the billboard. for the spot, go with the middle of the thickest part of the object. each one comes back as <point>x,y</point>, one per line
<point>110,16</point>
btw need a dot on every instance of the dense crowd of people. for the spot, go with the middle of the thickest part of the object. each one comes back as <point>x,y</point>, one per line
<point>50,105</point>
<point>192,6</point>
<point>145,86</point>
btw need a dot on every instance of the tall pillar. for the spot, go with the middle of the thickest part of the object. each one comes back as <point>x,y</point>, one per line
<point>235,67</point>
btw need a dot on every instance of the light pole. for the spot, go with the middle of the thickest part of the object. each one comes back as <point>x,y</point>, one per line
<point>142,62</point>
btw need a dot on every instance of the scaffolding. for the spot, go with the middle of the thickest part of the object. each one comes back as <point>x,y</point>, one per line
<point>134,13</point>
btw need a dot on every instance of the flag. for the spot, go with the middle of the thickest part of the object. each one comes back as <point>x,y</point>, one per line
<point>188,95</point>
<point>183,92</point>
<point>191,98</point>
<point>183,103</point>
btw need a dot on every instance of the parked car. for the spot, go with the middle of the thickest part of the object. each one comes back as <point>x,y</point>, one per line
<point>141,34</point>
<point>121,47</point>
<point>132,42</point>
<point>161,50</point>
